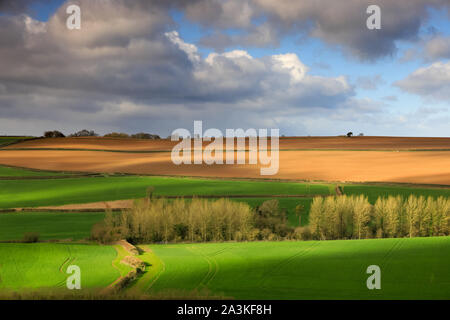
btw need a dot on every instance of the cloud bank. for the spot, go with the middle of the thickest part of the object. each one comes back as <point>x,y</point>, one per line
<point>128,68</point>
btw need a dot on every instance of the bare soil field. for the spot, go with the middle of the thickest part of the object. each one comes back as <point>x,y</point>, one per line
<point>102,205</point>
<point>422,167</point>
<point>290,143</point>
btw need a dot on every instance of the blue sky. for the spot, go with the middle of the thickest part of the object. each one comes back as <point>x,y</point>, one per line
<point>326,61</point>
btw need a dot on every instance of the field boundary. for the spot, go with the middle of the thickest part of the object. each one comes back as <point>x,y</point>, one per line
<point>265,179</point>
<point>62,209</point>
<point>19,140</point>
<point>224,150</point>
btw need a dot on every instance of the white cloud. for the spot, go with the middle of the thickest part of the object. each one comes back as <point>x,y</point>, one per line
<point>438,48</point>
<point>432,81</point>
<point>128,70</point>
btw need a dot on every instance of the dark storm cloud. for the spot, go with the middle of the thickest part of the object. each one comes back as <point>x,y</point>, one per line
<point>14,6</point>
<point>340,23</point>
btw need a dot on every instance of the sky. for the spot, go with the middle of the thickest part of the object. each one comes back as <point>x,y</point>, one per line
<point>308,67</point>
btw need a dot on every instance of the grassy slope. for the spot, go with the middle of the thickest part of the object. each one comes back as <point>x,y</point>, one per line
<point>50,225</point>
<point>23,193</point>
<point>9,140</point>
<point>121,267</point>
<point>44,265</point>
<point>374,192</point>
<point>410,269</point>
<point>18,172</point>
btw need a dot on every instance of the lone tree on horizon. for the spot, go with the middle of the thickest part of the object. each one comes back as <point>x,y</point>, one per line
<point>350,134</point>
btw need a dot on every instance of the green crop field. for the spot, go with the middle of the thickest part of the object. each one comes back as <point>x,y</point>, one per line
<point>49,225</point>
<point>6,140</point>
<point>414,268</point>
<point>43,265</point>
<point>43,192</point>
<point>19,172</point>
<point>374,192</point>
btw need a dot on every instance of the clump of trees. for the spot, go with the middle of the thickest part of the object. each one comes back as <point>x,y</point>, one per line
<point>345,217</point>
<point>117,135</point>
<point>197,220</point>
<point>84,133</point>
<point>353,217</point>
<point>53,134</point>
<point>31,237</point>
<point>143,135</point>
<point>271,221</point>
<point>162,220</point>
<point>412,217</point>
<point>140,135</point>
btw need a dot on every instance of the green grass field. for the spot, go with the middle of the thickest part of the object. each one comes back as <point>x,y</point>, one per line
<point>43,265</point>
<point>50,225</point>
<point>374,192</point>
<point>19,172</point>
<point>6,140</point>
<point>44,192</point>
<point>414,268</point>
<point>410,269</point>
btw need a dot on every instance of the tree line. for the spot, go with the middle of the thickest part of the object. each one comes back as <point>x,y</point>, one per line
<point>155,220</point>
<point>353,217</point>
<point>91,133</point>
<point>163,220</point>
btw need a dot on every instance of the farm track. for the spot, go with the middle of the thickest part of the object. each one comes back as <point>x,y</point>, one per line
<point>224,151</point>
<point>156,276</point>
<point>396,246</point>
<point>213,267</point>
<point>127,204</point>
<point>283,263</point>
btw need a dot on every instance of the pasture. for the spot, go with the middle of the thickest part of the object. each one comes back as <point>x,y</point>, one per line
<point>8,172</point>
<point>10,140</point>
<point>373,192</point>
<point>43,265</point>
<point>49,225</point>
<point>52,192</point>
<point>414,268</point>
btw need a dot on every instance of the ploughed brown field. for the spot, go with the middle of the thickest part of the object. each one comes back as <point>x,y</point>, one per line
<point>358,159</point>
<point>354,143</point>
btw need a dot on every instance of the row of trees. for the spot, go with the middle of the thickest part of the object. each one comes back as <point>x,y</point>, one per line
<point>140,135</point>
<point>353,217</point>
<point>343,217</point>
<point>59,134</point>
<point>91,133</point>
<point>162,220</point>
<point>196,220</point>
